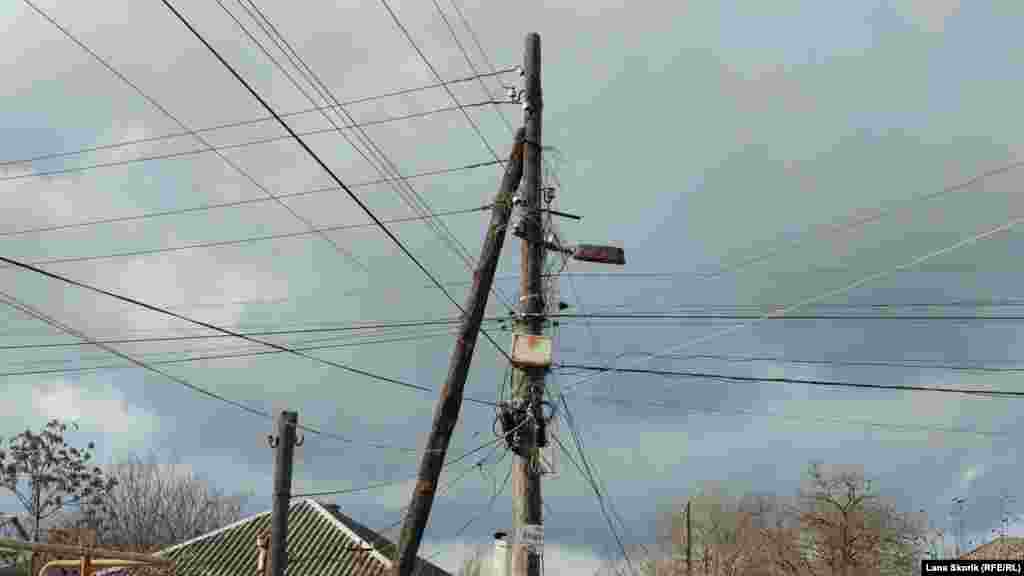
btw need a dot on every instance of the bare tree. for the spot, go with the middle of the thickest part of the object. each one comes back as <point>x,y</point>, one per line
<point>851,530</point>
<point>156,505</point>
<point>47,475</point>
<point>837,526</point>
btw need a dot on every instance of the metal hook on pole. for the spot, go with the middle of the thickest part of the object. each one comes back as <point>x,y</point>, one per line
<point>272,440</point>
<point>300,440</point>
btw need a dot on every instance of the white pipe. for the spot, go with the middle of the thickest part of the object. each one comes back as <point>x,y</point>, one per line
<point>500,555</point>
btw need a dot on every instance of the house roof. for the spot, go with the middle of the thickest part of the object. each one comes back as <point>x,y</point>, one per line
<point>320,541</point>
<point>1002,548</point>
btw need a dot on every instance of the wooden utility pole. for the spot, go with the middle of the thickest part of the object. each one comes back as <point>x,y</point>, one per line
<point>446,414</point>
<point>528,384</point>
<point>689,542</point>
<point>284,451</point>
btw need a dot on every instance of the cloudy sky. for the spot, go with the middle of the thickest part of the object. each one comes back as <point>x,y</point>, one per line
<point>702,136</point>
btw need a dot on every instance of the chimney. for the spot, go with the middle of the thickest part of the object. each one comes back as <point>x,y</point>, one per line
<point>262,549</point>
<point>500,555</point>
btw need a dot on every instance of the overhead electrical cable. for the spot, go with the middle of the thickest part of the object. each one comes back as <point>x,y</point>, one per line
<point>469,61</point>
<point>238,124</point>
<point>810,382</point>
<point>600,499</point>
<point>227,333</point>
<point>33,312</point>
<point>209,326</point>
<point>972,239</point>
<point>232,204</point>
<point>241,241</point>
<point>335,327</point>
<point>413,199</point>
<point>600,487</point>
<point>958,303</point>
<point>233,165</point>
<point>232,355</point>
<point>489,64</point>
<point>327,169</point>
<point>245,353</point>
<point>405,479</point>
<point>441,493</point>
<point>879,214</point>
<point>433,70</point>
<point>867,363</point>
<point>678,405</point>
<point>490,506</point>
<point>223,147</point>
<point>902,317</point>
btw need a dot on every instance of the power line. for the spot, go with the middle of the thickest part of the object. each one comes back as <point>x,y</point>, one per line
<point>469,60</point>
<point>235,355</point>
<point>238,124</point>
<point>879,363</point>
<point>324,326</point>
<point>594,478</point>
<point>223,147</point>
<point>441,492</point>
<point>325,167</point>
<point>961,303</point>
<point>219,205</point>
<point>490,505</point>
<point>323,91</point>
<point>811,382</point>
<point>677,404</point>
<point>324,343</point>
<point>413,199</point>
<point>31,311</point>
<point>231,355</point>
<point>433,70</point>
<point>408,478</point>
<point>225,333</point>
<point>904,317</point>
<point>209,326</point>
<point>351,258</point>
<point>973,239</point>
<point>399,291</point>
<point>600,500</point>
<point>335,327</point>
<point>240,241</point>
<point>879,214</point>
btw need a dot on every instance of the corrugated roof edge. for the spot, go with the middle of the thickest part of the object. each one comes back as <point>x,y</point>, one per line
<point>296,502</point>
<point>214,533</point>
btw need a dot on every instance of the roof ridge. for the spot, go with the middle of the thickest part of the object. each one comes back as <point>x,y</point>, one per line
<point>216,532</point>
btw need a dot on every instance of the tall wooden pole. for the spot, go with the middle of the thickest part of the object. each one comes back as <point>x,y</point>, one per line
<point>284,451</point>
<point>528,384</point>
<point>446,414</point>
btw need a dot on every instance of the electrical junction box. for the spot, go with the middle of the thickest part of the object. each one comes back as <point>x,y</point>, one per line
<point>530,350</point>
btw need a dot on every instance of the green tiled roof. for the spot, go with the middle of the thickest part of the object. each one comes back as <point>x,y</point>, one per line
<point>319,544</point>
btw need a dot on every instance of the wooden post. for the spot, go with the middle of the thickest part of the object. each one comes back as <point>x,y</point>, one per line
<point>446,414</point>
<point>287,422</point>
<point>528,384</point>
